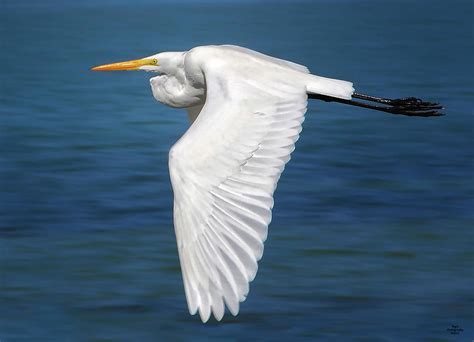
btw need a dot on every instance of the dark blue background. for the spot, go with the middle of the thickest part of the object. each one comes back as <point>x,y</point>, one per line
<point>372,230</point>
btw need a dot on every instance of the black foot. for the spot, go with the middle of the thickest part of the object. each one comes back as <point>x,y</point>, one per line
<point>409,106</point>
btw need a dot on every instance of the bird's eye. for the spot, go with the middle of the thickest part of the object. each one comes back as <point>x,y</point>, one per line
<point>155,61</point>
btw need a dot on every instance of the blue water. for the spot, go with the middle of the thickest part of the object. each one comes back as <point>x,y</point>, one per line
<point>372,233</point>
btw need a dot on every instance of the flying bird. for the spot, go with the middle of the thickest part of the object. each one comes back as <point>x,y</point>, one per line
<point>246,111</point>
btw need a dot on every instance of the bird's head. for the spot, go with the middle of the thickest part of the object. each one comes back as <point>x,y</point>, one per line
<point>163,63</point>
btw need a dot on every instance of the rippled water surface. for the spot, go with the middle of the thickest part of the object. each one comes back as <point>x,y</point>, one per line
<point>372,232</point>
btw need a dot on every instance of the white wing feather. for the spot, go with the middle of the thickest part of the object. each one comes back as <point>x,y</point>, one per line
<point>224,171</point>
<point>261,56</point>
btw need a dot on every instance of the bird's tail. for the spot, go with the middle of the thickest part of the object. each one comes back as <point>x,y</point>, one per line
<point>329,87</point>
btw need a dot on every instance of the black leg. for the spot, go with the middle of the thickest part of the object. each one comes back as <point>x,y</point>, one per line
<point>409,106</point>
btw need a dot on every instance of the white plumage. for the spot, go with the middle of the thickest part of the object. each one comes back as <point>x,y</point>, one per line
<point>246,110</point>
<point>225,169</point>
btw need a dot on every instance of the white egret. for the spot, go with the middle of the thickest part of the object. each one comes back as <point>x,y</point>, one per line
<point>246,110</point>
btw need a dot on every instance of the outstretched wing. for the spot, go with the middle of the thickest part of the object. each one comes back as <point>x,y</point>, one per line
<point>224,171</point>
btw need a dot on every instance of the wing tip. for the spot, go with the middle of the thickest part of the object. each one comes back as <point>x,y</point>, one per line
<point>205,313</point>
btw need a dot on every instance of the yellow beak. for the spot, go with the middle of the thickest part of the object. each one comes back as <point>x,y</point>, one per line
<point>128,65</point>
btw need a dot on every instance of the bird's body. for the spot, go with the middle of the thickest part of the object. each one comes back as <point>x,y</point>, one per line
<point>226,166</point>
<point>246,111</point>
<point>185,86</point>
